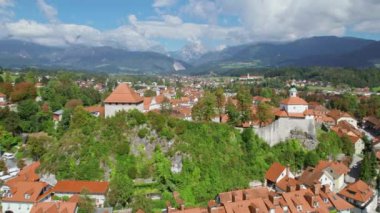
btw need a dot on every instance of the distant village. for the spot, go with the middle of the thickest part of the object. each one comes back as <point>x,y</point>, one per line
<point>330,186</point>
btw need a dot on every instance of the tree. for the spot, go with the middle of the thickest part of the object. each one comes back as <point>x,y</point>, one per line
<point>7,140</point>
<point>21,164</point>
<point>149,93</point>
<point>3,167</point>
<point>233,114</point>
<point>143,203</point>
<point>264,113</point>
<point>204,110</point>
<point>244,103</point>
<point>85,204</point>
<point>23,91</point>
<point>220,101</point>
<point>348,147</point>
<point>368,168</point>
<point>166,106</point>
<point>37,146</point>
<point>121,189</point>
<point>73,103</point>
<point>311,159</point>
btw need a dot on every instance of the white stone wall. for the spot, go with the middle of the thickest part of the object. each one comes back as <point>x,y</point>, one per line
<point>359,146</point>
<point>283,174</point>
<point>17,207</point>
<point>280,129</point>
<point>2,99</point>
<point>99,199</point>
<point>351,121</point>
<point>112,109</point>
<point>326,179</point>
<point>294,108</point>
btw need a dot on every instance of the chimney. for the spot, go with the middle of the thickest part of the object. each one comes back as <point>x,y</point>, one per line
<point>311,199</point>
<point>287,170</point>
<point>253,208</point>
<point>235,197</point>
<point>316,188</point>
<point>212,206</point>
<point>290,188</point>
<point>182,206</point>
<point>246,195</point>
<point>168,206</point>
<point>326,188</point>
<point>274,198</point>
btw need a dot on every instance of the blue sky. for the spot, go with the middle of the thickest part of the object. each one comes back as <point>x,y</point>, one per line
<point>167,25</point>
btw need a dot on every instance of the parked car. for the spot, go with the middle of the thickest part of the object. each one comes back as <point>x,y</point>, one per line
<point>8,156</point>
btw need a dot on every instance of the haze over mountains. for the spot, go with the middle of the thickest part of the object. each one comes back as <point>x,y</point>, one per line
<point>315,51</point>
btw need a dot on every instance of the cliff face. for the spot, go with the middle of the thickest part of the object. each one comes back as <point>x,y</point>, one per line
<point>288,128</point>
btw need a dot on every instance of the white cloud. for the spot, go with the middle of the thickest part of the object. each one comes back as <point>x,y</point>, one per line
<point>49,11</point>
<point>203,9</point>
<point>163,3</point>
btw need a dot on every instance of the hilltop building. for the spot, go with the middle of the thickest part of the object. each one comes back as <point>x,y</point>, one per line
<point>293,117</point>
<point>123,98</point>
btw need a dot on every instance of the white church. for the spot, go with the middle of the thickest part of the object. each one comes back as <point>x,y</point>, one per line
<point>294,107</point>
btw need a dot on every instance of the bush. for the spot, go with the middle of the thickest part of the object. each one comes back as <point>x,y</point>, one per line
<point>143,132</point>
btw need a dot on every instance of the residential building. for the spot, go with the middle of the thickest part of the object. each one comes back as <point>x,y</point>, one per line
<point>23,195</point>
<point>326,173</point>
<point>96,190</point>
<point>56,207</point>
<point>346,129</point>
<point>339,116</point>
<point>361,195</point>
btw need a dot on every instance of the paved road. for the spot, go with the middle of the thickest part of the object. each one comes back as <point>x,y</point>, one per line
<point>354,169</point>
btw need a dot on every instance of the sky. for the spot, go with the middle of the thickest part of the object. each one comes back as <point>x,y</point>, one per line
<point>170,25</point>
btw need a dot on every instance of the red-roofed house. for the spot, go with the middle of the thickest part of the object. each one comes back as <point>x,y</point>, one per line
<point>294,107</point>
<point>3,100</point>
<point>123,98</point>
<point>23,195</point>
<point>96,190</point>
<point>276,173</point>
<point>55,207</point>
<point>361,195</point>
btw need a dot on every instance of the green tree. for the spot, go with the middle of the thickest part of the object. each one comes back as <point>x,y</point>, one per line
<point>368,167</point>
<point>264,113</point>
<point>149,93</point>
<point>311,159</point>
<point>244,103</point>
<point>233,114</point>
<point>143,203</point>
<point>166,106</point>
<point>21,164</point>
<point>3,167</point>
<point>204,110</point>
<point>220,101</point>
<point>85,204</point>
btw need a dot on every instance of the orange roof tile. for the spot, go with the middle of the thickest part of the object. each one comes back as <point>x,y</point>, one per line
<point>274,171</point>
<point>2,95</point>
<point>94,109</point>
<point>54,207</point>
<point>147,102</point>
<point>28,173</point>
<point>124,94</point>
<point>21,189</point>
<point>358,191</point>
<point>77,186</point>
<point>294,101</point>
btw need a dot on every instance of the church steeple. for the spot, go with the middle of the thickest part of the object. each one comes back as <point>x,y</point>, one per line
<point>293,92</point>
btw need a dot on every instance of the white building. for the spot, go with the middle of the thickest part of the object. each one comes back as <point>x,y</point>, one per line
<point>22,195</point>
<point>96,190</point>
<point>123,98</point>
<point>294,105</point>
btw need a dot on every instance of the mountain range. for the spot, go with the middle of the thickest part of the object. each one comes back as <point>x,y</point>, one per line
<point>315,51</point>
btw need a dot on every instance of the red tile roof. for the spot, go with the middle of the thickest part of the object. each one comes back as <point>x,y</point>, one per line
<point>358,191</point>
<point>294,101</point>
<point>54,207</point>
<point>20,189</point>
<point>124,94</point>
<point>274,172</point>
<point>28,173</point>
<point>2,95</point>
<point>94,109</point>
<point>77,186</point>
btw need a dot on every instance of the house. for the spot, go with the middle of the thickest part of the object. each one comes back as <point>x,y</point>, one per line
<point>123,98</point>
<point>97,111</point>
<point>361,195</point>
<point>96,190</point>
<point>57,115</point>
<point>372,123</point>
<point>326,173</point>
<point>23,195</point>
<point>346,129</point>
<point>3,100</point>
<point>339,116</point>
<point>259,99</point>
<point>276,173</point>
<point>56,207</point>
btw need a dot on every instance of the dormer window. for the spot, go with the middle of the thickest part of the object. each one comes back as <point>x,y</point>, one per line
<point>299,208</point>
<point>27,196</point>
<point>325,200</point>
<point>315,204</point>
